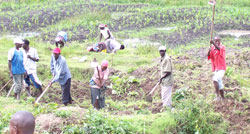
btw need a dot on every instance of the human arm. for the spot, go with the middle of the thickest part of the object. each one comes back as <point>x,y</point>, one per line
<point>58,71</point>
<point>9,65</point>
<point>100,37</point>
<point>109,34</point>
<point>166,74</point>
<point>167,69</point>
<point>216,46</point>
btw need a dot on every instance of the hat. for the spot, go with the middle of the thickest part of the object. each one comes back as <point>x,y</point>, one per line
<point>18,41</point>
<point>102,25</point>
<point>57,51</point>
<point>162,48</point>
<point>105,63</point>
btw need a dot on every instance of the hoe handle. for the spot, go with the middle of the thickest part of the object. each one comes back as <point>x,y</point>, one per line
<point>212,24</point>
<point>12,87</point>
<point>154,88</point>
<point>5,85</point>
<point>42,94</point>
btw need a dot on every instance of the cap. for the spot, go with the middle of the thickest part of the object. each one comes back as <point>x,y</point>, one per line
<point>57,51</point>
<point>162,48</point>
<point>102,25</point>
<point>18,40</point>
<point>105,63</point>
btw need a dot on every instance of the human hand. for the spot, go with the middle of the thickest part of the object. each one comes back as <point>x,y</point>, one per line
<point>11,75</point>
<point>28,56</point>
<point>211,42</point>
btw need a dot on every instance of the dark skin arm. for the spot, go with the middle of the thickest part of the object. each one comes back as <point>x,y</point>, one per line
<point>216,46</point>
<point>34,59</point>
<point>109,35</point>
<point>166,75</point>
<point>100,36</point>
<point>9,65</point>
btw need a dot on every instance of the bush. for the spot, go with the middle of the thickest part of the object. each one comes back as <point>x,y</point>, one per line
<point>195,116</point>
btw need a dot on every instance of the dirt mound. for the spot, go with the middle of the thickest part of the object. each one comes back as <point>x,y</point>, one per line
<point>49,122</point>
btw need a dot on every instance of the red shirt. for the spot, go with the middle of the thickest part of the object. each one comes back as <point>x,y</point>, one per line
<point>218,58</point>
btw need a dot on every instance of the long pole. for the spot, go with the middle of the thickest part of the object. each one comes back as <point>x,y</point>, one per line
<point>42,94</point>
<point>212,24</point>
<point>5,85</point>
<point>12,87</point>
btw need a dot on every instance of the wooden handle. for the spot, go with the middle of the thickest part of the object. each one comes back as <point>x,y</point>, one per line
<point>212,24</point>
<point>42,94</point>
<point>5,85</point>
<point>12,87</point>
<point>154,88</point>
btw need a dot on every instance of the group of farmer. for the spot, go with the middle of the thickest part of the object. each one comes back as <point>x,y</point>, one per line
<point>22,66</point>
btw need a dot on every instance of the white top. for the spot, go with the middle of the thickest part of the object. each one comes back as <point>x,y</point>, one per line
<point>105,34</point>
<point>112,45</point>
<point>12,51</point>
<point>30,65</point>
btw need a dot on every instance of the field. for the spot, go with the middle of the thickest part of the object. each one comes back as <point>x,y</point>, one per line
<point>183,26</point>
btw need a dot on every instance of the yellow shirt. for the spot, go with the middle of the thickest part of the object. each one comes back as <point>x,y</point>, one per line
<point>166,66</point>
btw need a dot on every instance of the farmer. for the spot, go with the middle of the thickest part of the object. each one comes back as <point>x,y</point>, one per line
<point>98,47</point>
<point>112,46</point>
<point>97,85</point>
<point>166,79</point>
<point>16,66</point>
<point>31,57</point>
<point>22,122</point>
<point>61,74</point>
<point>217,55</point>
<point>61,39</point>
<point>105,32</point>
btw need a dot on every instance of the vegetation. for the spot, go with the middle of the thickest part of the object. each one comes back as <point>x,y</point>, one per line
<point>183,26</point>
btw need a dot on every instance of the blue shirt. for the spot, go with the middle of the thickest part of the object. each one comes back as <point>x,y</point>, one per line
<point>59,70</point>
<point>16,58</point>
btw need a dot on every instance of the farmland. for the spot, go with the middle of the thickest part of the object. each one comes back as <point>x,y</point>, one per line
<point>141,25</point>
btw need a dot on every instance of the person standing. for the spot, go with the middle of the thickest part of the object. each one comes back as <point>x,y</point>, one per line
<point>61,74</point>
<point>31,57</point>
<point>217,55</point>
<point>22,122</point>
<point>97,85</point>
<point>105,32</point>
<point>166,79</point>
<point>16,66</point>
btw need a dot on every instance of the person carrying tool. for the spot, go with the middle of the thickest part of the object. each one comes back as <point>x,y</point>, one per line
<point>98,47</point>
<point>112,46</point>
<point>16,66</point>
<point>61,39</point>
<point>97,85</point>
<point>22,122</point>
<point>166,79</point>
<point>105,32</point>
<point>31,57</point>
<point>217,55</point>
<point>61,74</point>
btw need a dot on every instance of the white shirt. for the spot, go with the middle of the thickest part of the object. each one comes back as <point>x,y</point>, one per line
<point>30,65</point>
<point>105,34</point>
<point>112,45</point>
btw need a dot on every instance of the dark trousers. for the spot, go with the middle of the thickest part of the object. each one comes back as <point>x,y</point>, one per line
<point>101,97</point>
<point>66,97</point>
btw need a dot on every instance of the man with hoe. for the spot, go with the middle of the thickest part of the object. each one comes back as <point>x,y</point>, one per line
<point>61,74</point>
<point>217,55</point>
<point>16,66</point>
<point>166,79</point>
<point>31,57</point>
<point>22,122</point>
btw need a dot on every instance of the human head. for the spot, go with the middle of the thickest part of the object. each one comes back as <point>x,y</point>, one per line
<point>122,47</point>
<point>104,65</point>
<point>18,42</point>
<point>217,40</point>
<point>162,51</point>
<point>102,26</point>
<point>56,52</point>
<point>22,122</point>
<point>59,40</point>
<point>26,44</point>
